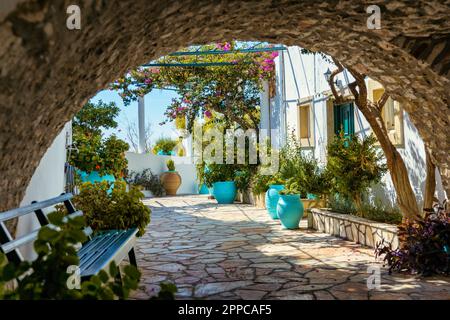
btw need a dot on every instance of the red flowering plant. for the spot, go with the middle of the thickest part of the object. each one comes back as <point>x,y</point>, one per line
<point>227,83</point>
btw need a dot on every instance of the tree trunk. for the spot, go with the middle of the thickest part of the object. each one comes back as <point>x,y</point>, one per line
<point>430,183</point>
<point>405,196</point>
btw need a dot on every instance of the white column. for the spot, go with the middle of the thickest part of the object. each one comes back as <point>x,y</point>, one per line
<point>141,123</point>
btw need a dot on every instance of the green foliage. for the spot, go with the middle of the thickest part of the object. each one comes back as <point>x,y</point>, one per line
<point>164,144</point>
<point>302,169</point>
<point>375,211</point>
<point>424,246</point>
<point>167,291</point>
<point>229,90</point>
<point>170,165</point>
<point>107,156</point>
<point>118,209</point>
<point>261,182</point>
<point>147,180</point>
<point>291,187</point>
<point>354,164</point>
<point>218,172</point>
<point>47,277</point>
<point>95,116</point>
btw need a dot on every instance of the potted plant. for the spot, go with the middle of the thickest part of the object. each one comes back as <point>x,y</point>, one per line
<point>221,178</point>
<point>164,146</point>
<point>171,180</point>
<point>289,206</point>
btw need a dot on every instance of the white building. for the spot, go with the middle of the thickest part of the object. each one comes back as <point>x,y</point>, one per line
<point>302,102</point>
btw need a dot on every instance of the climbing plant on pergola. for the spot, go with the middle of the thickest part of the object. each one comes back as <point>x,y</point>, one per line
<point>223,79</point>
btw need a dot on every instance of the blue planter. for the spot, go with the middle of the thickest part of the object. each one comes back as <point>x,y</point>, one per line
<point>203,189</point>
<point>311,196</point>
<point>224,191</point>
<point>272,196</point>
<point>94,177</point>
<point>290,210</point>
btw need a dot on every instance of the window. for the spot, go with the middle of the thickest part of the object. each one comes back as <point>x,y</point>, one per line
<point>305,130</point>
<point>392,114</point>
<point>304,122</point>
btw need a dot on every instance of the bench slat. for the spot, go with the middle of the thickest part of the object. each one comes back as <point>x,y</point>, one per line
<point>10,246</point>
<point>115,251</point>
<point>15,213</point>
<point>105,241</point>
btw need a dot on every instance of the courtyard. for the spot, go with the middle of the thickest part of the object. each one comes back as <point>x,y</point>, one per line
<point>237,251</point>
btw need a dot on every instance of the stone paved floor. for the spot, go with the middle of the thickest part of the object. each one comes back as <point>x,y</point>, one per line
<point>237,252</point>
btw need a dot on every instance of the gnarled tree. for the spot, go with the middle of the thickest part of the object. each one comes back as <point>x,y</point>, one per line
<point>372,111</point>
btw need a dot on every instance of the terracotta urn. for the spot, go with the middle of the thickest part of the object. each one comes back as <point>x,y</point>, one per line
<point>171,181</point>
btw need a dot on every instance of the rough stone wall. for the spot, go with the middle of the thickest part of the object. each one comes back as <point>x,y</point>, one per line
<point>48,72</point>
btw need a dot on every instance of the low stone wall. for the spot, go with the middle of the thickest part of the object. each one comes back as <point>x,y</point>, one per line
<point>352,228</point>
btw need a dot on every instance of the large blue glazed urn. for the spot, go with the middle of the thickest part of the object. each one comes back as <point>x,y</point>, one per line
<point>272,195</point>
<point>290,210</point>
<point>224,191</point>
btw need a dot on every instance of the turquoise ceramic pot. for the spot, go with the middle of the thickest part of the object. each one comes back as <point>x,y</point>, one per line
<point>94,177</point>
<point>290,210</point>
<point>311,196</point>
<point>272,196</point>
<point>224,191</point>
<point>203,189</point>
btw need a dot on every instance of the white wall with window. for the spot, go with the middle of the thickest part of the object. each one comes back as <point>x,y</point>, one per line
<point>305,108</point>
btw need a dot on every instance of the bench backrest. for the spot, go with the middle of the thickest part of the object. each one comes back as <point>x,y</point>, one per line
<point>10,246</point>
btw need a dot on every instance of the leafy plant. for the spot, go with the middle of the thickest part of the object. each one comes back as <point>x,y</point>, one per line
<point>354,164</point>
<point>291,187</point>
<point>170,165</point>
<point>424,246</point>
<point>107,156</point>
<point>218,172</point>
<point>167,291</point>
<point>47,277</point>
<point>118,209</point>
<point>165,145</point>
<point>147,180</point>
<point>232,92</point>
<point>95,116</point>
<point>261,183</point>
<point>303,168</point>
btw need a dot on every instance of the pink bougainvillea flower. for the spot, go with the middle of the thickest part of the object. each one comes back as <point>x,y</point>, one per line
<point>208,114</point>
<point>227,46</point>
<point>148,81</point>
<point>274,54</point>
<point>268,61</point>
<point>154,70</point>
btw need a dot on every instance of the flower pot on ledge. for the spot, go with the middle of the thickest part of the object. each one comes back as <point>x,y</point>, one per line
<point>171,181</point>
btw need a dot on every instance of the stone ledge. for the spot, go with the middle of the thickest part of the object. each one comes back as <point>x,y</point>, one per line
<point>346,226</point>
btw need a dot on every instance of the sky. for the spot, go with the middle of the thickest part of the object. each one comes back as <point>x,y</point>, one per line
<point>155,105</point>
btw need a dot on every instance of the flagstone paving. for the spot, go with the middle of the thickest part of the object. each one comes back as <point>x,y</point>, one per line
<point>236,251</point>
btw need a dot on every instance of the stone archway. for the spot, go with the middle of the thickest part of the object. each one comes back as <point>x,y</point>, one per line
<point>48,72</point>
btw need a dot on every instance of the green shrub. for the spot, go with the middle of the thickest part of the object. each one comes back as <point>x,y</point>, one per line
<point>170,165</point>
<point>147,180</point>
<point>164,144</point>
<point>218,172</point>
<point>118,209</point>
<point>107,156</point>
<point>47,277</point>
<point>303,168</point>
<point>354,164</point>
<point>380,212</point>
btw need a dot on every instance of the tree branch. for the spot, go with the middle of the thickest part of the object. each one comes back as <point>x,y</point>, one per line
<point>340,68</point>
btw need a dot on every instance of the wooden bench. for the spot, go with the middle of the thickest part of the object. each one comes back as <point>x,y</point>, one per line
<point>95,254</point>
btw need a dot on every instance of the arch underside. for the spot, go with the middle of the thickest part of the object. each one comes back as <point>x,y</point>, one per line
<point>48,72</point>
